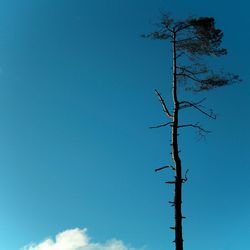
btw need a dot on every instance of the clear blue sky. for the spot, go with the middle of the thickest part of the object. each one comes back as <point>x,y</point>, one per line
<point>76,101</point>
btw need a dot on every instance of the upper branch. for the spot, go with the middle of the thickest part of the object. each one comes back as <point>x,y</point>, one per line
<point>165,109</point>
<point>190,77</point>
<point>185,71</point>
<point>182,26</point>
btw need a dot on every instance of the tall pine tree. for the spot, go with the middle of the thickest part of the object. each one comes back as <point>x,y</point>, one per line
<point>191,40</point>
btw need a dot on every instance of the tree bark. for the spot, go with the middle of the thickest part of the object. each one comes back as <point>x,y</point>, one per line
<point>176,158</point>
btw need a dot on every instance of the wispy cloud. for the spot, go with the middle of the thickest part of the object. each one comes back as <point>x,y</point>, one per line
<point>76,239</point>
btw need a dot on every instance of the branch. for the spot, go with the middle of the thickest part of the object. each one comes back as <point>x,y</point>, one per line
<point>170,182</point>
<point>166,21</point>
<point>194,126</point>
<point>170,30</point>
<point>193,73</point>
<point>162,125</point>
<point>165,109</point>
<point>190,77</point>
<point>201,131</point>
<point>194,105</point>
<point>159,169</point>
<point>172,203</point>
<point>180,55</point>
<point>183,28</point>
<point>185,178</point>
<point>186,39</point>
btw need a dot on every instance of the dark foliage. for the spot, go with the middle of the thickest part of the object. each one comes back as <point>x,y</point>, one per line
<point>195,38</point>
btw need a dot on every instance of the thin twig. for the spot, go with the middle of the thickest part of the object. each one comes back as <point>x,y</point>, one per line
<point>162,125</point>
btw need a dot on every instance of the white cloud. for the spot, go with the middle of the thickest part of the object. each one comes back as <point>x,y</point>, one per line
<point>76,239</point>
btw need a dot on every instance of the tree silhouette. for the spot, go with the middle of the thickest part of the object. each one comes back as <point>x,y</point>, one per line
<point>191,40</point>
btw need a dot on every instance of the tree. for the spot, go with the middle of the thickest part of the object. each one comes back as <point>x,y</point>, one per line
<point>191,40</point>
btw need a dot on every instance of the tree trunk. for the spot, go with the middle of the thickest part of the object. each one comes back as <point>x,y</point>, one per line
<point>176,158</point>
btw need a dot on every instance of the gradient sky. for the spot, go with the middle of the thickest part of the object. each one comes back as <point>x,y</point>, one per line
<point>76,101</point>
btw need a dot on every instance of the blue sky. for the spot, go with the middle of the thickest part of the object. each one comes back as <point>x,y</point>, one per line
<point>76,101</point>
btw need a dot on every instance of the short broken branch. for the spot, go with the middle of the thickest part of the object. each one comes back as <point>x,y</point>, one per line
<point>159,169</point>
<point>165,109</point>
<point>170,182</point>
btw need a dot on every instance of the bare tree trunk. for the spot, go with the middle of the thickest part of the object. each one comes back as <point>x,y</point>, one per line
<point>176,158</point>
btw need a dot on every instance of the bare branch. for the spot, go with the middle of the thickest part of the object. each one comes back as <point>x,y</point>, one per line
<point>165,109</point>
<point>159,169</point>
<point>201,131</point>
<point>211,115</point>
<point>194,126</point>
<point>162,125</point>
